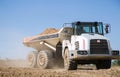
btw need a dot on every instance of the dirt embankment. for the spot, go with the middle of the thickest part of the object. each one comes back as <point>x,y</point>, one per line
<point>13,63</point>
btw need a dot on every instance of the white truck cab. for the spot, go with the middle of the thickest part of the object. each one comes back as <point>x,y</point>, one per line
<point>88,45</point>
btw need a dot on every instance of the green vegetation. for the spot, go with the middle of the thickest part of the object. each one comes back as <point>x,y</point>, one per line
<point>116,62</point>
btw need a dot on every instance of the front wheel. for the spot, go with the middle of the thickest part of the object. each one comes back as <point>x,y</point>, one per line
<point>103,64</point>
<point>69,64</point>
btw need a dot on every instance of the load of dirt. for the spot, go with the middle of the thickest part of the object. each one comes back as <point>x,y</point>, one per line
<point>49,31</point>
<point>46,31</point>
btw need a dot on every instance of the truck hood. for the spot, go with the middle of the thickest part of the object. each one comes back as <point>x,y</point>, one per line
<point>84,40</point>
<point>93,36</point>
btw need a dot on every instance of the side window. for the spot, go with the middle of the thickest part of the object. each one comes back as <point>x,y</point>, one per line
<point>100,30</point>
<point>93,30</point>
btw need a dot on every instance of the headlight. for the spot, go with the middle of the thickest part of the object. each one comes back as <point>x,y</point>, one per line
<point>82,52</point>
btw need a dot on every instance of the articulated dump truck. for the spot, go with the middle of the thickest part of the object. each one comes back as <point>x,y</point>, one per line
<point>75,43</point>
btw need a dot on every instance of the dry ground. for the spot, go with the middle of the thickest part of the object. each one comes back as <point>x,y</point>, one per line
<point>21,70</point>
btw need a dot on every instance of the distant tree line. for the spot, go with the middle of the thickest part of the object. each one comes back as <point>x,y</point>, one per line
<point>116,62</point>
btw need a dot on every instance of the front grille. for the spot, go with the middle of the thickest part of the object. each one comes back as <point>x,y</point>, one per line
<point>99,46</point>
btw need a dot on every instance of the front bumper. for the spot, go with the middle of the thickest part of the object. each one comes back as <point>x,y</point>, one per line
<point>86,56</point>
<point>94,57</point>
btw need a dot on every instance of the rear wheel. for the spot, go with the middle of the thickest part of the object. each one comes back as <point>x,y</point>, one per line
<point>69,64</point>
<point>103,64</point>
<point>32,59</point>
<point>44,59</point>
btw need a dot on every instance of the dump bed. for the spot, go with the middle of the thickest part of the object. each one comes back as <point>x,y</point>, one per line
<point>49,36</point>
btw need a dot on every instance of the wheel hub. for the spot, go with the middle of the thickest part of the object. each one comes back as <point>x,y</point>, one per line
<point>41,60</point>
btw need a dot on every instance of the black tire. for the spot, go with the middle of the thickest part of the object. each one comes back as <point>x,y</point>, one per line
<point>103,64</point>
<point>32,59</point>
<point>44,59</point>
<point>69,64</point>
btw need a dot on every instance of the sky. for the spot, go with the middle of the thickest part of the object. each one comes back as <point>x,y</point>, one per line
<point>22,18</point>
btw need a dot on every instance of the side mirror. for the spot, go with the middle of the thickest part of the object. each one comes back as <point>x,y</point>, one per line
<point>107,28</point>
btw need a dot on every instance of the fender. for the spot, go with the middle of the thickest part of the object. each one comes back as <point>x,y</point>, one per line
<point>66,44</point>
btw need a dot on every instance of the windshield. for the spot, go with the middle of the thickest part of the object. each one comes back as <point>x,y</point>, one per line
<point>88,28</point>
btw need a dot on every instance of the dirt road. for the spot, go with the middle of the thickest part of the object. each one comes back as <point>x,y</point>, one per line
<point>18,68</point>
<point>35,72</point>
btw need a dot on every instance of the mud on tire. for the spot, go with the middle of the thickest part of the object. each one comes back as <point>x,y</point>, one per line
<point>68,63</point>
<point>103,64</point>
<point>44,59</point>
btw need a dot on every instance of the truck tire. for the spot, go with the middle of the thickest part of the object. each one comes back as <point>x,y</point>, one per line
<point>44,59</point>
<point>32,59</point>
<point>103,64</point>
<point>68,63</point>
